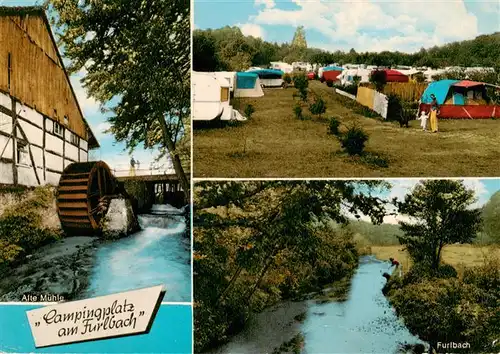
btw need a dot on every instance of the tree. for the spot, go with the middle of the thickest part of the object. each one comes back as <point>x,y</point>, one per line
<point>269,238</point>
<point>443,214</point>
<point>491,218</point>
<point>379,79</point>
<point>299,38</point>
<point>136,56</point>
<point>205,57</point>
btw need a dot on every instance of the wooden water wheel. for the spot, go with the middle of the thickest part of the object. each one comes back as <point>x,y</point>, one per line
<point>83,196</point>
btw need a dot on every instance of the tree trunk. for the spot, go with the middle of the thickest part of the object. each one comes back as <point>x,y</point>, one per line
<point>270,261</point>
<point>179,170</point>
<point>233,278</point>
<point>438,256</point>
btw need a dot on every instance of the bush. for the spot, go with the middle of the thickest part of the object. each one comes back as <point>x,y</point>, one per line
<point>333,127</point>
<point>301,83</point>
<point>354,140</point>
<point>287,78</point>
<point>379,79</point>
<point>396,111</point>
<point>297,110</point>
<point>318,107</point>
<point>249,110</point>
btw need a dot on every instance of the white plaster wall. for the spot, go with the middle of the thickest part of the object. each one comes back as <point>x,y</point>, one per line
<point>8,149</point>
<point>71,152</point>
<point>5,100</point>
<point>53,143</point>
<point>67,162</point>
<point>6,173</point>
<point>83,156</point>
<point>26,176</point>
<point>30,115</point>
<point>52,178</point>
<point>5,123</point>
<point>34,134</point>
<point>37,156</point>
<point>84,145</point>
<point>53,162</point>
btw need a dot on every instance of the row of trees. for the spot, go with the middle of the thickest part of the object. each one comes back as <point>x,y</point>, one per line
<point>228,49</point>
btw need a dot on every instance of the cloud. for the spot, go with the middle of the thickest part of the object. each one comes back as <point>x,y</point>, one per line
<point>250,29</point>
<point>408,26</point>
<point>88,105</point>
<point>99,131</point>
<point>269,4</point>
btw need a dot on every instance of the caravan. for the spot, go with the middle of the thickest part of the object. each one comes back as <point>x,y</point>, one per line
<point>210,97</point>
<point>269,77</point>
<point>248,85</point>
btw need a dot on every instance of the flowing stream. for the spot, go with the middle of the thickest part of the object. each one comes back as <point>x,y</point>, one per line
<point>364,323</point>
<point>158,254</point>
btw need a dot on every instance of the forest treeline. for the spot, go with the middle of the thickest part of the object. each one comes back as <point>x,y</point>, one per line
<point>228,49</point>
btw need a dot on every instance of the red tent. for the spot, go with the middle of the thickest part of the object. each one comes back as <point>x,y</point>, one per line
<point>395,76</point>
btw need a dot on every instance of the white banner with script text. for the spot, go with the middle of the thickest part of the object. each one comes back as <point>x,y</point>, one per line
<point>126,313</point>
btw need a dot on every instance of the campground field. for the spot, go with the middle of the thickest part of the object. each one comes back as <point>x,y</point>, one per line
<point>273,143</point>
<point>459,256</point>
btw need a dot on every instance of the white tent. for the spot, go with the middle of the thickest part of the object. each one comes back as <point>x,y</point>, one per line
<point>210,97</point>
<point>347,76</point>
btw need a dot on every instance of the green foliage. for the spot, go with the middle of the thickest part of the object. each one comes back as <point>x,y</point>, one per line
<point>297,111</point>
<point>353,141</point>
<point>138,67</point>
<point>379,79</point>
<point>21,229</point>
<point>256,244</point>
<point>419,78</point>
<point>249,111</point>
<point>481,51</point>
<point>318,107</point>
<point>443,308</point>
<point>491,218</point>
<point>352,89</point>
<point>398,111</point>
<point>333,126</point>
<point>300,82</point>
<point>443,216</point>
<point>299,38</point>
<point>287,78</point>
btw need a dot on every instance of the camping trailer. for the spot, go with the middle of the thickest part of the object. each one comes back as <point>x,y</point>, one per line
<point>229,76</point>
<point>248,85</point>
<point>285,67</point>
<point>269,77</point>
<point>211,97</point>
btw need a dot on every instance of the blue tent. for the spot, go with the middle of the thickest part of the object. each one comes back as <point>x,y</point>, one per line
<point>332,68</point>
<point>440,89</point>
<point>268,73</point>
<point>246,80</point>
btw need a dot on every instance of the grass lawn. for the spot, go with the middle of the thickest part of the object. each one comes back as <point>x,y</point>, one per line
<point>276,144</point>
<point>459,256</point>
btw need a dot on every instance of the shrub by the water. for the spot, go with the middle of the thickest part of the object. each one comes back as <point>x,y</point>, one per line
<point>249,111</point>
<point>21,229</point>
<point>318,107</point>
<point>333,127</point>
<point>354,140</point>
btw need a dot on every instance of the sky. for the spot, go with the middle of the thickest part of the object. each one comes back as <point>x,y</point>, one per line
<point>484,189</point>
<point>110,151</point>
<point>365,25</point>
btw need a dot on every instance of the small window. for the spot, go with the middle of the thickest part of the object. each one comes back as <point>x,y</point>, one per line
<point>58,129</point>
<point>66,120</point>
<point>75,139</point>
<point>22,153</point>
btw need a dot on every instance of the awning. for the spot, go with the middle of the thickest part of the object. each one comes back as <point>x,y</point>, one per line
<point>468,83</point>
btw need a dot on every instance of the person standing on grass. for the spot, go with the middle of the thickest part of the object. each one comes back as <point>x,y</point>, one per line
<point>434,113</point>
<point>423,120</point>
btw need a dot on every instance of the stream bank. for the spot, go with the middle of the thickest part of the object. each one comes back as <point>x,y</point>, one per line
<point>77,267</point>
<point>363,323</point>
